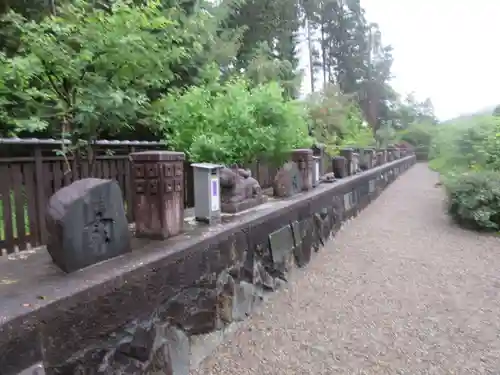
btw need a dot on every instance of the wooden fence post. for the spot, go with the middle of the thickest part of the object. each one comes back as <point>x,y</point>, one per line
<point>40,195</point>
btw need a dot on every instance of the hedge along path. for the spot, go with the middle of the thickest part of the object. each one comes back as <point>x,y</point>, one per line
<point>400,290</point>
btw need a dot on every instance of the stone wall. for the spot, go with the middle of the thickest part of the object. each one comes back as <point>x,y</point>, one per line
<point>142,313</point>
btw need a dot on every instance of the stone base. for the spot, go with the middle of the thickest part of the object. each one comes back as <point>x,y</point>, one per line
<point>232,208</point>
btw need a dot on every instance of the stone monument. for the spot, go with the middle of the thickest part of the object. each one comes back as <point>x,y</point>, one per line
<point>288,181</point>
<point>158,184</point>
<point>86,224</point>
<point>304,160</point>
<point>348,154</point>
<point>239,190</point>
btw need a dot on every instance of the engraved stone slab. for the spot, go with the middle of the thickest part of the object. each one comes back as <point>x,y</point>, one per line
<point>282,243</point>
<point>86,224</point>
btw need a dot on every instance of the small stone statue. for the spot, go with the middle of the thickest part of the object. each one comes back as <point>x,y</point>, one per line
<point>328,177</point>
<point>239,190</point>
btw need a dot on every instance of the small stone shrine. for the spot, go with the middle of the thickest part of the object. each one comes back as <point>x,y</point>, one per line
<point>158,185</point>
<point>239,190</point>
<point>288,181</point>
<point>86,224</point>
<point>304,160</point>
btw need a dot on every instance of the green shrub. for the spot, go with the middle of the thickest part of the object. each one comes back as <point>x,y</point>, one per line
<point>232,122</point>
<point>417,134</point>
<point>474,199</point>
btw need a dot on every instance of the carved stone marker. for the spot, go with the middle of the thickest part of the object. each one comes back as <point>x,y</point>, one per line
<point>304,160</point>
<point>158,184</point>
<point>86,224</point>
<point>340,166</point>
<point>239,191</point>
<point>288,181</point>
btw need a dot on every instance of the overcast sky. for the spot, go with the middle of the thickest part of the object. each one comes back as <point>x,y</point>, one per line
<point>446,50</point>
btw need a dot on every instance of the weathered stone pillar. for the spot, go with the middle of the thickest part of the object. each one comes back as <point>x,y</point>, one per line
<point>348,154</point>
<point>304,160</point>
<point>158,188</point>
<point>383,151</point>
<point>319,151</point>
<point>391,150</point>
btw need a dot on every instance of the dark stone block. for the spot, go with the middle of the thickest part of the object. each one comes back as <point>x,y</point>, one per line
<point>281,243</point>
<point>86,224</point>
<point>303,230</point>
<point>142,344</point>
<point>340,167</point>
<point>193,309</point>
<point>233,208</point>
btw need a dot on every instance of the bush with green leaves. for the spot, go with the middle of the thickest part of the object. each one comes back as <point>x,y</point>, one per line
<point>468,145</point>
<point>474,199</point>
<point>467,155</point>
<point>89,71</point>
<point>337,121</point>
<point>233,122</point>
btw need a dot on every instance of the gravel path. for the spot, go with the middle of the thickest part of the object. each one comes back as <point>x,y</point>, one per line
<point>399,291</point>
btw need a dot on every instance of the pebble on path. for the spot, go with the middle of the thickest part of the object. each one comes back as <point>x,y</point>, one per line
<point>401,290</point>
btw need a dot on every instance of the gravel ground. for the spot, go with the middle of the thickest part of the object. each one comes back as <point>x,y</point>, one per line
<point>399,291</point>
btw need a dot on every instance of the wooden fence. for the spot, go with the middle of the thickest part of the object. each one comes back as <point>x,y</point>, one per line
<point>30,173</point>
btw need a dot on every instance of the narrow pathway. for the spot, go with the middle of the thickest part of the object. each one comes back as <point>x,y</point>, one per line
<point>400,290</point>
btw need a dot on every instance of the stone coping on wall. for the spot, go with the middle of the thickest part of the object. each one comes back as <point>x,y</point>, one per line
<point>49,316</point>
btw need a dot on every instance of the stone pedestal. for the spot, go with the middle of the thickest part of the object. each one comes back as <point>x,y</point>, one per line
<point>304,160</point>
<point>158,186</point>
<point>348,154</point>
<point>339,166</point>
